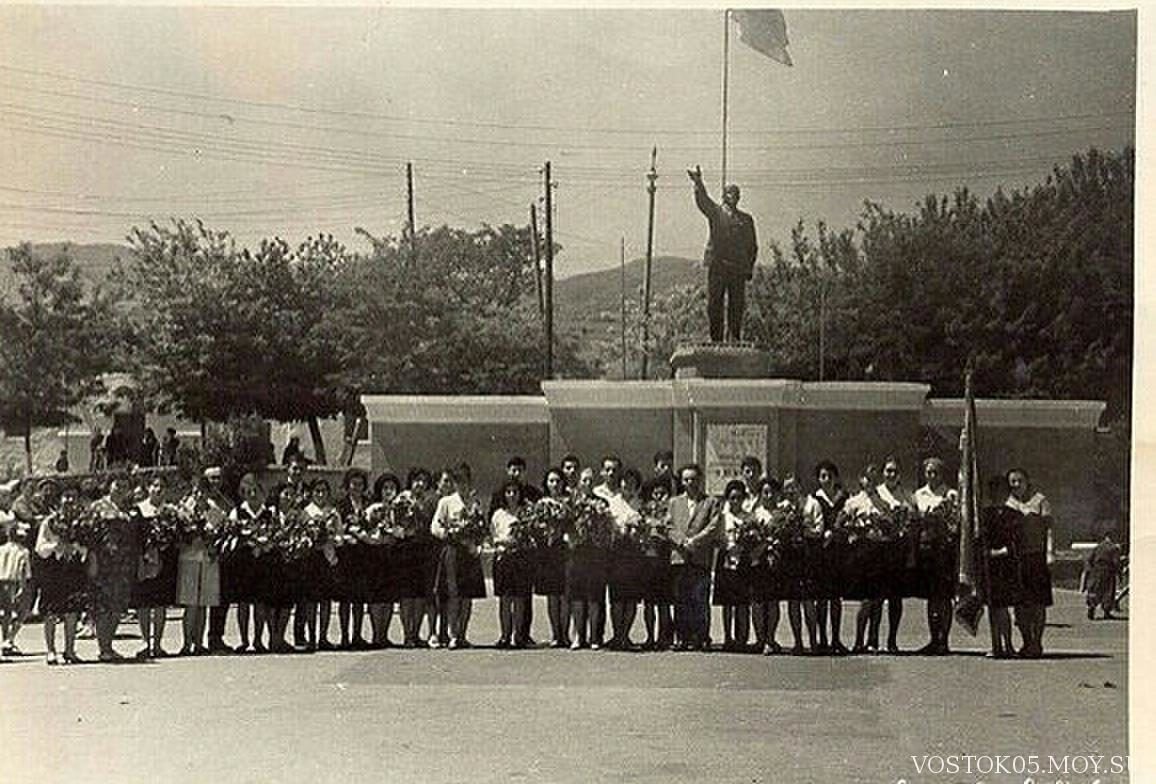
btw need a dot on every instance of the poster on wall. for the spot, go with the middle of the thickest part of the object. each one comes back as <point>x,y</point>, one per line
<point>726,446</point>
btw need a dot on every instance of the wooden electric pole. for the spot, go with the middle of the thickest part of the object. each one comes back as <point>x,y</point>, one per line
<point>622,302</point>
<point>549,287</point>
<point>412,223</point>
<point>651,177</point>
<point>537,253</point>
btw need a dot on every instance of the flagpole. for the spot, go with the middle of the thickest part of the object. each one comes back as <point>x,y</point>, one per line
<point>725,90</point>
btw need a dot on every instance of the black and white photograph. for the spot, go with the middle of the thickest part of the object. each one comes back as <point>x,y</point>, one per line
<point>571,394</point>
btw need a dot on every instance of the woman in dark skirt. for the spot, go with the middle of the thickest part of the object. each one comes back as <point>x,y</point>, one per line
<point>550,564</point>
<point>658,596</point>
<point>769,573</point>
<point>513,568</point>
<point>826,559</point>
<point>426,498</point>
<point>587,570</point>
<point>627,576</point>
<point>381,582</point>
<point>733,571</point>
<point>240,572</point>
<point>352,572</point>
<point>937,556</point>
<point>156,587</point>
<point>410,557</point>
<point>114,564</point>
<point>459,578</point>
<point>317,568</point>
<point>63,577</point>
<point>999,540</point>
<point>897,567</point>
<point>1034,547</point>
<point>278,580</point>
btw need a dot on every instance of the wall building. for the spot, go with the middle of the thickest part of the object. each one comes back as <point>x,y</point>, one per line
<point>790,425</point>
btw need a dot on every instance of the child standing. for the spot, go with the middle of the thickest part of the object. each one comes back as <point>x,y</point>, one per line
<point>15,572</point>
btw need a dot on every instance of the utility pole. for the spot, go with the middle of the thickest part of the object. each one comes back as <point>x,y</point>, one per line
<point>412,223</point>
<point>822,324</point>
<point>651,177</point>
<point>622,297</point>
<point>549,287</point>
<point>537,251</point>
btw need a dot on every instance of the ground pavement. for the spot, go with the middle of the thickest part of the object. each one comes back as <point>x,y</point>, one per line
<point>484,715</point>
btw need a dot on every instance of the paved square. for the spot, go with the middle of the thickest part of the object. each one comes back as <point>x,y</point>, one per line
<point>555,716</point>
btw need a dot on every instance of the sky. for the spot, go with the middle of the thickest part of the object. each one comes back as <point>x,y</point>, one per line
<point>298,121</point>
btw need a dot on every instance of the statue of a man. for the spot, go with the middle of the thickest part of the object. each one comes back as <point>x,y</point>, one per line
<point>730,257</point>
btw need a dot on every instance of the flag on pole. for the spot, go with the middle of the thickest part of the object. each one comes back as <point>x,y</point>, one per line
<point>765,31</point>
<point>969,595</point>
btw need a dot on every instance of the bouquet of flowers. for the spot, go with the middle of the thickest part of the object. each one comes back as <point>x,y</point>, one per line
<point>231,534</point>
<point>551,519</point>
<point>303,533</point>
<point>779,530</point>
<point>406,520</point>
<point>635,535</point>
<point>268,532</point>
<point>939,524</point>
<point>162,531</point>
<point>744,535</point>
<point>656,518</point>
<point>593,524</point>
<point>470,526</point>
<point>523,532</point>
<point>199,520</point>
<point>73,524</point>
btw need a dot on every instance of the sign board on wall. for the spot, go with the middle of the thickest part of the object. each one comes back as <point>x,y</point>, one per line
<point>726,446</point>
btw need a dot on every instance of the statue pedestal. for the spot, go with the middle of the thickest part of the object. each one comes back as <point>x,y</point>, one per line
<point>720,360</point>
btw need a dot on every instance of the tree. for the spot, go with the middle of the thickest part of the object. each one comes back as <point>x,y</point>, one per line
<point>55,341</point>
<point>222,332</point>
<point>458,319</point>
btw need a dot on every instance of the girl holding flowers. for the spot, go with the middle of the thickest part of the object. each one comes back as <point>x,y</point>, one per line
<point>382,582</point>
<point>156,587</point>
<point>586,569</point>
<point>243,575</point>
<point>63,580</point>
<point>319,527</point>
<point>511,532</point>
<point>114,563</point>
<point>937,506</point>
<point>657,594</point>
<point>553,516</point>
<point>460,525</point>
<point>198,572</point>
<point>732,573</point>
<point>826,558</point>
<point>352,573</point>
<point>410,552</point>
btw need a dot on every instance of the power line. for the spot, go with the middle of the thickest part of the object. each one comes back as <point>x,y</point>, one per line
<point>534,127</point>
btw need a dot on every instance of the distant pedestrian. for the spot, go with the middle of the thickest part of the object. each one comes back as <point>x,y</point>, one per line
<point>62,462</point>
<point>292,451</point>
<point>96,448</point>
<point>1101,571</point>
<point>149,449</point>
<point>170,446</point>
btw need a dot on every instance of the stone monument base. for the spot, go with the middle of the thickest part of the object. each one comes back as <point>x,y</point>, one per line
<point>720,360</point>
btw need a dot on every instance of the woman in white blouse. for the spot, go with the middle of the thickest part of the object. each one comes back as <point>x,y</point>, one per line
<point>938,561</point>
<point>459,579</point>
<point>513,574</point>
<point>892,495</point>
<point>1035,594</point>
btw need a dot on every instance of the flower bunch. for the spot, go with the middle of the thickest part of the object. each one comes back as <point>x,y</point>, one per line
<point>74,524</point>
<point>745,535</point>
<point>656,517</point>
<point>593,524</point>
<point>551,519</point>
<point>469,526</point>
<point>162,531</point>
<point>635,534</point>
<point>940,523</point>
<point>780,530</point>
<point>523,532</point>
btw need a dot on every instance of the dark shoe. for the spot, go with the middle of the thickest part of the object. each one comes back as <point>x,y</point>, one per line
<point>325,645</point>
<point>1091,613</point>
<point>893,648</point>
<point>931,649</point>
<point>839,649</point>
<point>502,643</point>
<point>798,650</point>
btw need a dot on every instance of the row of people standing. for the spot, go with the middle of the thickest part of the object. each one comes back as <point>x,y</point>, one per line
<point>420,549</point>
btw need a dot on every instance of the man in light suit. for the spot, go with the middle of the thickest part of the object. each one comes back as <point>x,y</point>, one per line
<point>693,532</point>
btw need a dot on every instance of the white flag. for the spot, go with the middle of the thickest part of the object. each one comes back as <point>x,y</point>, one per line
<point>765,31</point>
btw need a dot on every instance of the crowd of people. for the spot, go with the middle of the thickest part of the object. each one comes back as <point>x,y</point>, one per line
<point>599,543</point>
